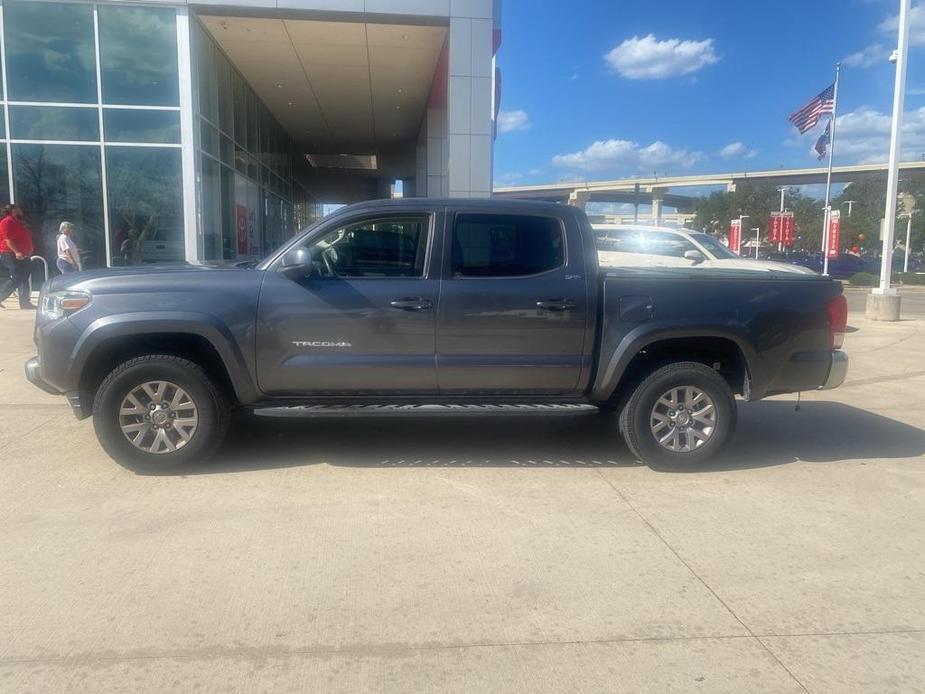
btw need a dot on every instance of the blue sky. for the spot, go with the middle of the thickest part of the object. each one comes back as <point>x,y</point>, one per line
<point>598,89</point>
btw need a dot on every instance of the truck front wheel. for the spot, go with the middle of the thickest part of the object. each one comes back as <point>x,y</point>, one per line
<point>681,415</point>
<point>158,411</point>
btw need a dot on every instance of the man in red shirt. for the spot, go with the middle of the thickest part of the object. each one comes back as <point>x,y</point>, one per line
<point>15,252</point>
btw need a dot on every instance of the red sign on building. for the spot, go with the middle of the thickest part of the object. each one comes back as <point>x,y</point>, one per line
<point>735,235</point>
<point>776,228</point>
<point>833,247</point>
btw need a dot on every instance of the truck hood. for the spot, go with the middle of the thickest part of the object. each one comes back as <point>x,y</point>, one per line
<point>150,278</point>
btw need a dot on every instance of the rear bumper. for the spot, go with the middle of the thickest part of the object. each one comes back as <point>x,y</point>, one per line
<point>838,371</point>
<point>34,376</point>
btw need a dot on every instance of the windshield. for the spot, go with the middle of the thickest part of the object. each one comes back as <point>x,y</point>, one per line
<point>714,247</point>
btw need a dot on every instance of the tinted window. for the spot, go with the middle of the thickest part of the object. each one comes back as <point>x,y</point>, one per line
<point>392,247</point>
<point>54,123</point>
<point>49,51</point>
<point>490,245</point>
<point>145,204</point>
<point>138,55</point>
<point>58,182</point>
<point>125,125</point>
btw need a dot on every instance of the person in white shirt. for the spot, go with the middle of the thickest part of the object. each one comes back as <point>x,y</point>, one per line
<point>68,260</point>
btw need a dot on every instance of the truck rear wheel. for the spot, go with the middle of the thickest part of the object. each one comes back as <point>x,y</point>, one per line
<point>681,415</point>
<point>158,411</point>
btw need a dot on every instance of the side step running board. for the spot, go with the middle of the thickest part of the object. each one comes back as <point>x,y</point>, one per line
<point>368,410</point>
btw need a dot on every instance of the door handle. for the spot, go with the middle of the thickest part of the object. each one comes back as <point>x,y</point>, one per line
<point>555,305</point>
<point>412,303</point>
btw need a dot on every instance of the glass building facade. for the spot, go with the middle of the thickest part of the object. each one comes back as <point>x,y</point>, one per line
<point>245,178</point>
<point>91,133</point>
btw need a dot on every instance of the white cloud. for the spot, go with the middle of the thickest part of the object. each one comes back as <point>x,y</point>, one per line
<point>626,156</point>
<point>509,121</point>
<point>647,58</point>
<point>916,25</point>
<point>863,136</point>
<point>735,150</point>
<point>875,54</point>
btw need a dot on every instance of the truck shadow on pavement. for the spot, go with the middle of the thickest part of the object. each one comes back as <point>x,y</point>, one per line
<point>769,433</point>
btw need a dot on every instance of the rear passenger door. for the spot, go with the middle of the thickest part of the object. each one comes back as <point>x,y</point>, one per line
<point>513,306</point>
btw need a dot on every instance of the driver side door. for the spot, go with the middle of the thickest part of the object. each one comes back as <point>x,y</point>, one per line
<point>360,318</point>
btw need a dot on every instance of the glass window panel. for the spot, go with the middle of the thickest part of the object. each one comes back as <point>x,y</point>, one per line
<point>251,122</point>
<point>138,55</point>
<point>4,178</point>
<point>211,203</point>
<point>493,245</point>
<point>388,247</point>
<point>205,58</point>
<point>145,204</point>
<point>240,109</point>
<point>225,97</point>
<point>56,183</point>
<point>132,125</point>
<point>54,123</point>
<point>208,139</point>
<point>240,159</point>
<point>229,217</point>
<point>50,53</point>
<point>227,151</point>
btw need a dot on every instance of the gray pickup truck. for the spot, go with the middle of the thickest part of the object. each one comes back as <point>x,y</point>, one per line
<point>430,301</point>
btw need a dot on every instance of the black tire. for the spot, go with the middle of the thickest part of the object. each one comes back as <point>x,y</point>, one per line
<point>212,408</point>
<point>635,417</point>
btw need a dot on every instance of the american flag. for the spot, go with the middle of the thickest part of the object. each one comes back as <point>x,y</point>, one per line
<point>807,117</point>
<point>824,141</point>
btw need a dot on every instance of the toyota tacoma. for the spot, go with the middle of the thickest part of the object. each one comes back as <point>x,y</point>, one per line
<point>425,301</point>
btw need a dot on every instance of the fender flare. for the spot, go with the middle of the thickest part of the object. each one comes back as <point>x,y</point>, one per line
<point>608,376</point>
<point>203,325</point>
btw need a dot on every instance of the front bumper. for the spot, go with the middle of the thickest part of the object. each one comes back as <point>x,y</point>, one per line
<point>34,376</point>
<point>838,371</point>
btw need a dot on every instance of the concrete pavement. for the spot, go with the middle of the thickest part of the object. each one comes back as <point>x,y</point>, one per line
<point>474,554</point>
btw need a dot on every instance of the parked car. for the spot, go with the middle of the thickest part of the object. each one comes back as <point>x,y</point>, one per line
<point>480,302</point>
<point>624,245</point>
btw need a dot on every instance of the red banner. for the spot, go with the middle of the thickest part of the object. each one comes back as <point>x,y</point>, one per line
<point>787,229</point>
<point>776,228</point>
<point>735,235</point>
<point>833,247</point>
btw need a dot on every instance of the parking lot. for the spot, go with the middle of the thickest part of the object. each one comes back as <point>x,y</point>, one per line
<point>476,553</point>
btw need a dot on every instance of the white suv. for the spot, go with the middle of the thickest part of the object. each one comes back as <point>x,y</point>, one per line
<point>624,245</point>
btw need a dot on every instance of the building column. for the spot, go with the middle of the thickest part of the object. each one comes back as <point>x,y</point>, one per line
<point>657,204</point>
<point>579,198</point>
<point>188,139</point>
<point>469,107</point>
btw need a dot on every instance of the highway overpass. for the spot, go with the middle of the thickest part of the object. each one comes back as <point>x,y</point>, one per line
<point>662,191</point>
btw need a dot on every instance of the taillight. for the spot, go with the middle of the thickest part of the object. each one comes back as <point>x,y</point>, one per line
<point>837,311</point>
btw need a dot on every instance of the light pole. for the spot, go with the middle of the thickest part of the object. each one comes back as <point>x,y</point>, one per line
<point>908,239</point>
<point>883,302</point>
<point>850,204</point>
<point>783,200</point>
<point>757,231</point>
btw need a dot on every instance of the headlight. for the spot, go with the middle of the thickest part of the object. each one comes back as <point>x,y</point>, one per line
<point>60,304</point>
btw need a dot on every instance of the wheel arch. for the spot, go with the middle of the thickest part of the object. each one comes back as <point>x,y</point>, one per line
<point>639,355</point>
<point>201,339</point>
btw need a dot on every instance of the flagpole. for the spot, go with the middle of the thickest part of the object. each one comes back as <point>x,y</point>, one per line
<point>828,180</point>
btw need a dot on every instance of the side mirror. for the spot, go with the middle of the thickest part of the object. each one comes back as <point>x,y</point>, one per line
<point>695,256</point>
<point>297,259</point>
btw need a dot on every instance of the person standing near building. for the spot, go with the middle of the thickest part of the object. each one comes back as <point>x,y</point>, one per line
<point>68,259</point>
<point>15,256</point>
